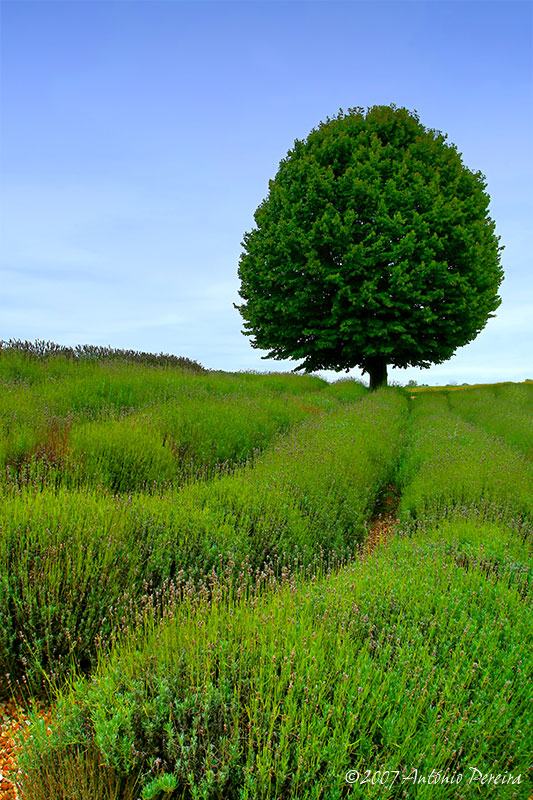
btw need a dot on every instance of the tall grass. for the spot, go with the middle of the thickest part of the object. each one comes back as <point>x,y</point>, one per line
<point>451,466</point>
<point>504,410</point>
<point>168,444</point>
<point>76,566</point>
<point>123,426</point>
<point>19,351</point>
<point>197,534</point>
<point>410,663</point>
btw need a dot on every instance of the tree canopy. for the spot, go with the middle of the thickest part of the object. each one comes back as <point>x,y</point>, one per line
<point>373,247</point>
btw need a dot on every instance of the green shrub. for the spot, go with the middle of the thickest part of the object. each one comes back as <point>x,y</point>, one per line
<point>76,567</point>
<point>503,410</point>
<point>413,659</point>
<point>451,466</point>
<point>126,427</point>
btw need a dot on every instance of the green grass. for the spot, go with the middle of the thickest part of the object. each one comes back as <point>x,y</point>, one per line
<point>124,427</point>
<point>199,534</point>
<point>76,566</point>
<point>168,444</point>
<point>415,659</point>
<point>452,466</point>
<point>513,421</point>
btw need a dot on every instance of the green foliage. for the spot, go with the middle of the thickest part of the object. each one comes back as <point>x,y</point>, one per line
<point>200,532</point>
<point>513,421</point>
<point>347,389</point>
<point>163,785</point>
<point>79,566</point>
<point>452,465</point>
<point>123,427</point>
<point>373,247</point>
<point>171,443</point>
<point>48,351</point>
<point>405,661</point>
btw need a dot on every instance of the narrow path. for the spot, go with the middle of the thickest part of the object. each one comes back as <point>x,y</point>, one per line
<point>13,719</point>
<point>384,523</point>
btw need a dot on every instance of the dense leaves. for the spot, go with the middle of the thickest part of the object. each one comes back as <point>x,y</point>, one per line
<point>373,247</point>
<point>256,655</point>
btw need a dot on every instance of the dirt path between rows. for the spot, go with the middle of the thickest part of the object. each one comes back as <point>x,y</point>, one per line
<point>13,719</point>
<point>385,521</point>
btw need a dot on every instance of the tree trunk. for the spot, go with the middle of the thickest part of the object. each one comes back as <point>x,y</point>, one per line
<point>377,370</point>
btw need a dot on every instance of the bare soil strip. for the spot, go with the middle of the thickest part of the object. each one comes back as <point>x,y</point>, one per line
<point>384,523</point>
<point>13,719</point>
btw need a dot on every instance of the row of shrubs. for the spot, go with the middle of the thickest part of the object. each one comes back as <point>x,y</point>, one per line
<point>453,465</point>
<point>78,566</point>
<point>408,668</point>
<point>408,672</point>
<point>163,445</point>
<point>513,420</point>
<point>129,428</point>
<point>41,349</point>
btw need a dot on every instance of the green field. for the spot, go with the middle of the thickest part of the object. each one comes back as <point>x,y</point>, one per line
<point>183,572</point>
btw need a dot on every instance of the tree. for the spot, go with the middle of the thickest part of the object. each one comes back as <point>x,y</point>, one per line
<point>373,247</point>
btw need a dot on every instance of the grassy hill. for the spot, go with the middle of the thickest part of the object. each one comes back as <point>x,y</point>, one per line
<point>184,572</point>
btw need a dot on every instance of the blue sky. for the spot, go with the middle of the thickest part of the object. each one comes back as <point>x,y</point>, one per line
<point>138,138</point>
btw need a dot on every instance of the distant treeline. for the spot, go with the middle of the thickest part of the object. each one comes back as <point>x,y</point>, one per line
<point>43,350</point>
